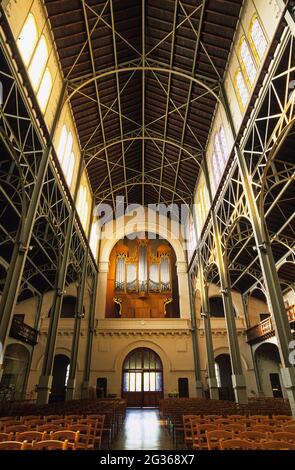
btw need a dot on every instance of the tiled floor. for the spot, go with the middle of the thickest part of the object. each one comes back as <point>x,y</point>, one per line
<point>143,430</point>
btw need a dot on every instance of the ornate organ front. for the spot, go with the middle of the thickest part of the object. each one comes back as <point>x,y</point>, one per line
<point>143,282</point>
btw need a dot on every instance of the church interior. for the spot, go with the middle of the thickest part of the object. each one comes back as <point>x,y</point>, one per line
<point>147,195</point>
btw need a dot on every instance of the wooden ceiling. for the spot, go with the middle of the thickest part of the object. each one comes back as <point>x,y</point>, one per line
<point>143,124</point>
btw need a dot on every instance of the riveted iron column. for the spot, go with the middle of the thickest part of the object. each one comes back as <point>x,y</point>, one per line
<point>269,271</point>
<point>85,384</point>
<point>70,389</point>
<point>45,379</point>
<point>212,382</point>
<point>22,246</point>
<point>198,377</point>
<point>238,379</point>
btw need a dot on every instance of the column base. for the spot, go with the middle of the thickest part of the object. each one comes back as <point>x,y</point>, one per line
<point>213,389</point>
<point>85,390</point>
<point>199,389</point>
<point>288,378</point>
<point>240,390</point>
<point>70,390</point>
<point>43,389</point>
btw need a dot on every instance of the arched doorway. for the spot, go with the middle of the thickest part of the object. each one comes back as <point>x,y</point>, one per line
<point>269,363</point>
<point>142,378</point>
<point>223,373</point>
<point>15,365</point>
<point>60,375</point>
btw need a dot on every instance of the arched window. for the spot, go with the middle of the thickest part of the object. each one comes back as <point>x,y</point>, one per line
<point>27,39</point>
<point>257,39</point>
<point>38,63</point>
<point>247,62</point>
<point>241,89</point>
<point>35,56</point>
<point>44,90</point>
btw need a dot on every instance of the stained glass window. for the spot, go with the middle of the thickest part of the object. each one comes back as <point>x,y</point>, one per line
<point>242,90</point>
<point>223,142</point>
<point>247,61</point>
<point>258,38</point>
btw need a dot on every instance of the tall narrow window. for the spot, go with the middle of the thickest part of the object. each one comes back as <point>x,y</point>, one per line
<point>62,143</point>
<point>44,90</point>
<point>215,169</point>
<point>65,154</point>
<point>223,142</point>
<point>38,63</point>
<point>82,206</point>
<point>257,38</point>
<point>242,90</point>
<point>247,62</point>
<point>27,39</point>
<point>203,205</point>
<point>218,151</point>
<point>93,241</point>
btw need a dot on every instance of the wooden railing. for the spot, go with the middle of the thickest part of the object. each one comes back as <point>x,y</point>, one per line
<point>265,329</point>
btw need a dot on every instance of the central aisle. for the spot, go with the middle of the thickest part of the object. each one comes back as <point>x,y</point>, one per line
<point>143,430</point>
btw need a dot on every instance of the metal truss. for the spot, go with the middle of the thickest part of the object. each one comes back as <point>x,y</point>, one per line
<point>265,145</point>
<point>142,62</point>
<point>22,145</point>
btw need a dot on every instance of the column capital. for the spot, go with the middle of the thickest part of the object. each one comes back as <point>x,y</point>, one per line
<point>103,266</point>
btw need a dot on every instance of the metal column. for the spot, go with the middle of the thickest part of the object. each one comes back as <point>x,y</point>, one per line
<point>22,245</point>
<point>45,379</point>
<point>268,267</point>
<point>238,379</point>
<point>85,384</point>
<point>70,389</point>
<point>198,377</point>
<point>212,382</point>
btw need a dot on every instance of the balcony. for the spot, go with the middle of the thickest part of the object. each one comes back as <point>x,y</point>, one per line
<point>23,332</point>
<point>265,329</point>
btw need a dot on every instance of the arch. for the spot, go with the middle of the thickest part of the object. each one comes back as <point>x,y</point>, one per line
<point>119,359</point>
<point>15,367</point>
<point>142,378</point>
<point>224,373</point>
<point>145,183</point>
<point>134,138</point>
<point>268,361</point>
<point>142,226</point>
<point>60,372</point>
<point>145,69</point>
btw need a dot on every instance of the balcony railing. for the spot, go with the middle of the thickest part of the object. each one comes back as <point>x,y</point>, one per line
<point>23,332</point>
<point>265,329</point>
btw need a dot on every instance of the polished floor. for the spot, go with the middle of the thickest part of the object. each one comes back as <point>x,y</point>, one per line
<point>143,430</point>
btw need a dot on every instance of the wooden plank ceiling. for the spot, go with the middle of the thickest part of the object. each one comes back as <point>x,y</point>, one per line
<point>143,129</point>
